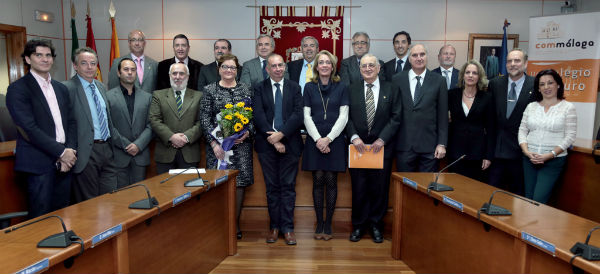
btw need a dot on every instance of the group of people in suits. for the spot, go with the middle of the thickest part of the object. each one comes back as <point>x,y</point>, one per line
<point>399,108</point>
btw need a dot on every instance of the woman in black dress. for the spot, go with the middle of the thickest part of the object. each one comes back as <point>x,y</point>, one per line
<point>325,115</point>
<point>216,96</point>
<point>471,130</point>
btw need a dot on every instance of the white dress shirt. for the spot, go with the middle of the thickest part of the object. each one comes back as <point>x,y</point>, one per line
<point>412,78</point>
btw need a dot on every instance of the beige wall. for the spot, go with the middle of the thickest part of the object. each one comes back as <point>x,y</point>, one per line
<point>3,65</point>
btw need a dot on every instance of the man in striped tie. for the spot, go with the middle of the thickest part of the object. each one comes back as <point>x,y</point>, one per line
<point>174,119</point>
<point>94,171</point>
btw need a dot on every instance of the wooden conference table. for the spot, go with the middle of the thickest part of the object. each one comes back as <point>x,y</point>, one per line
<point>193,232</point>
<point>432,234</point>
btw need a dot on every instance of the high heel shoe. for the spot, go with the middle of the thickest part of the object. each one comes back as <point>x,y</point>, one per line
<point>238,235</point>
<point>327,233</point>
<point>319,232</point>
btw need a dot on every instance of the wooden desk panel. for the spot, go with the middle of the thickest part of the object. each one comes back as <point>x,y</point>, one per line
<point>12,194</point>
<point>456,241</point>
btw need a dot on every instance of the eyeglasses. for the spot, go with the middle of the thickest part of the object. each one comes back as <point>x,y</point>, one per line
<point>367,65</point>
<point>363,43</point>
<point>132,40</point>
<point>226,67</point>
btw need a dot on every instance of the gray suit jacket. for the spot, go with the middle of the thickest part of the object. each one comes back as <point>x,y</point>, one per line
<point>149,78</point>
<point>85,125</point>
<point>252,72</point>
<point>134,129</point>
<point>425,121</point>
<point>350,71</point>
<point>166,121</point>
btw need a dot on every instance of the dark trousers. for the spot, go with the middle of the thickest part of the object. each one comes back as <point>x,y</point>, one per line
<point>47,192</point>
<point>411,161</point>
<point>370,193</point>
<point>279,171</point>
<point>178,162</point>
<point>99,175</point>
<point>507,174</point>
<point>540,179</point>
<point>469,168</point>
<point>130,174</point>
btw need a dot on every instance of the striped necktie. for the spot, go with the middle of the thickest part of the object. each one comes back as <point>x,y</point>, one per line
<point>100,113</point>
<point>179,102</point>
<point>370,103</point>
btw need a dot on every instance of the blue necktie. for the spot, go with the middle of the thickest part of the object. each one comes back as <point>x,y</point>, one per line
<point>264,69</point>
<point>101,118</point>
<point>399,65</point>
<point>278,119</point>
<point>179,102</point>
<point>417,90</point>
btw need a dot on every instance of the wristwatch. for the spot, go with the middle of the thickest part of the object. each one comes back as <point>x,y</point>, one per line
<point>553,153</point>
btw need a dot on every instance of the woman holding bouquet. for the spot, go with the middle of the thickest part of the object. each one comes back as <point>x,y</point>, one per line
<point>325,115</point>
<point>220,96</point>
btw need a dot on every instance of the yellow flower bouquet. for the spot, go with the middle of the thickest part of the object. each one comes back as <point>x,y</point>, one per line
<point>235,118</point>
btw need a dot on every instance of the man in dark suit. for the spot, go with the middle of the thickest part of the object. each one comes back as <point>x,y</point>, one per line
<point>446,69</point>
<point>349,69</point>
<point>95,172</point>
<point>301,70</point>
<point>181,48</point>
<point>129,112</point>
<point>374,118</point>
<point>255,70</point>
<point>175,121</point>
<point>400,63</point>
<point>423,133</point>
<point>511,95</point>
<point>146,66</point>
<point>277,118</point>
<point>209,73</point>
<point>47,133</point>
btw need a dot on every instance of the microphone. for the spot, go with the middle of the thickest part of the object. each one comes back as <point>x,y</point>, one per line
<point>195,182</point>
<point>440,187</point>
<point>147,203</point>
<point>62,239</point>
<point>175,175</point>
<point>494,210</point>
<point>587,251</point>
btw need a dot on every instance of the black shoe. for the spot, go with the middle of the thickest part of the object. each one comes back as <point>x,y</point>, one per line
<point>356,235</point>
<point>377,235</point>
<point>239,235</point>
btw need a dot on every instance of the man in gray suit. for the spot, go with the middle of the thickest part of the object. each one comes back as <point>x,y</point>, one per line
<point>423,133</point>
<point>209,73</point>
<point>147,67</point>
<point>254,70</point>
<point>129,106</point>
<point>94,170</point>
<point>350,67</point>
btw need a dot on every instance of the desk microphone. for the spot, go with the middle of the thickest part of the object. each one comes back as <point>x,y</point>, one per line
<point>195,182</point>
<point>175,175</point>
<point>587,251</point>
<point>62,239</point>
<point>147,203</point>
<point>440,187</point>
<point>494,210</point>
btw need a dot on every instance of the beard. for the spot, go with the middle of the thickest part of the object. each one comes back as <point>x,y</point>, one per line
<point>180,87</point>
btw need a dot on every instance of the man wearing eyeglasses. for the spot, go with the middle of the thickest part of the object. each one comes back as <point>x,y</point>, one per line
<point>174,119</point>
<point>209,73</point>
<point>423,134</point>
<point>380,101</point>
<point>146,66</point>
<point>301,71</point>
<point>350,67</point>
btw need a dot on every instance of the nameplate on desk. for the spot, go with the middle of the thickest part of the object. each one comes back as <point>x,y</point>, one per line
<point>409,182</point>
<point>449,201</point>
<point>220,180</point>
<point>107,234</point>
<point>181,198</point>
<point>35,268</point>
<point>538,242</point>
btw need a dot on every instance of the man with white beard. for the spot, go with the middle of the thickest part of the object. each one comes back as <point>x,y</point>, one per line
<point>174,119</point>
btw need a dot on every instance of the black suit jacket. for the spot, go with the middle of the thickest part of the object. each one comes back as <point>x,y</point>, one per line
<point>507,145</point>
<point>387,115</point>
<point>350,71</point>
<point>424,123</point>
<point>37,150</point>
<point>163,81</point>
<point>454,80</point>
<point>295,69</point>
<point>474,134</point>
<point>210,74</point>
<point>264,112</point>
<point>390,69</point>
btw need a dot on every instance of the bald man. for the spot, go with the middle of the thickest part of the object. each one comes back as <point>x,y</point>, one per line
<point>146,67</point>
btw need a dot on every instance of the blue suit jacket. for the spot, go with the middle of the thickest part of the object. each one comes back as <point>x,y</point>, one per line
<point>37,150</point>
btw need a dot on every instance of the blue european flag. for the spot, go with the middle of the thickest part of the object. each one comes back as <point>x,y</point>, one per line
<point>504,51</point>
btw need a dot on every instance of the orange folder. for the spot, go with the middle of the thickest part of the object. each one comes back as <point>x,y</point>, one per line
<point>369,159</point>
